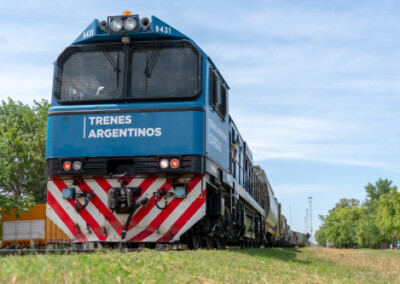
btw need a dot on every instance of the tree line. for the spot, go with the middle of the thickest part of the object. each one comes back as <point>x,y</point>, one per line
<point>23,131</point>
<point>373,223</point>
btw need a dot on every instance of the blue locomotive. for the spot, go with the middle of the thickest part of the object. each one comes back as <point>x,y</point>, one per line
<point>141,147</point>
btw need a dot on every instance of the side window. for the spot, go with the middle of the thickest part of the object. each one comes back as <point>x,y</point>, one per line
<point>213,89</point>
<point>222,100</point>
<point>217,94</point>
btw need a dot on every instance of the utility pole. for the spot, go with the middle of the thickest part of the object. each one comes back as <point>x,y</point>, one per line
<point>306,221</point>
<point>305,225</point>
<point>311,229</point>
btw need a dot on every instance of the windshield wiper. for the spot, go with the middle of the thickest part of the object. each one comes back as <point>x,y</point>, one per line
<point>114,64</point>
<point>150,63</point>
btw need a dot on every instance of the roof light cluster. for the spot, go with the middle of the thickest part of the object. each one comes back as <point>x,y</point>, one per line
<point>129,24</point>
<point>125,23</point>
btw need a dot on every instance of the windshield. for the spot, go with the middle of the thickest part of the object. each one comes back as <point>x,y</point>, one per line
<point>88,75</point>
<point>156,70</point>
<point>164,71</point>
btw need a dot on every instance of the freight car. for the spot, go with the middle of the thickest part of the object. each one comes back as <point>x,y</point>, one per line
<point>301,239</point>
<point>141,147</point>
<point>30,229</point>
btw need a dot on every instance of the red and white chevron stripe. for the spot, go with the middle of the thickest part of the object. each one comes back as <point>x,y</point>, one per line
<point>149,224</point>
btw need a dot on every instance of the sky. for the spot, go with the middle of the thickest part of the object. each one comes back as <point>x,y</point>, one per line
<point>314,85</point>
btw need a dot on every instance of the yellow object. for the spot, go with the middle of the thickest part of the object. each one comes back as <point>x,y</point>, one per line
<point>126,13</point>
<point>53,234</point>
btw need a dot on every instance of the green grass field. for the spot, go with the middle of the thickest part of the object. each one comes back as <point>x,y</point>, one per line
<point>309,265</point>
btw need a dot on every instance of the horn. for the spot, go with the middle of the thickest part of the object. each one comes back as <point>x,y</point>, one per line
<point>103,25</point>
<point>145,23</point>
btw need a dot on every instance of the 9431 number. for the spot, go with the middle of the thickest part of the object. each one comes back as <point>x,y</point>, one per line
<point>162,29</point>
<point>88,33</point>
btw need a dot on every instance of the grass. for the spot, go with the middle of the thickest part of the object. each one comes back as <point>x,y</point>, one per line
<point>309,265</point>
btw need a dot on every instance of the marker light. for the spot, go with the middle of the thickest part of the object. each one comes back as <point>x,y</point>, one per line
<point>67,166</point>
<point>174,163</point>
<point>130,24</point>
<point>77,165</point>
<point>164,163</point>
<point>116,25</point>
<point>126,13</point>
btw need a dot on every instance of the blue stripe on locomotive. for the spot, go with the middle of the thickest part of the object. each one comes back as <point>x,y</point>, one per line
<point>134,134</point>
<point>182,132</point>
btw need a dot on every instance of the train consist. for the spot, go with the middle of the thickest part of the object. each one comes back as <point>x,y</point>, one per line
<point>141,148</point>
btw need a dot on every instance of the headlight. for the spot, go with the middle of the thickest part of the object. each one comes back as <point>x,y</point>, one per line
<point>164,163</point>
<point>130,24</point>
<point>116,25</point>
<point>77,165</point>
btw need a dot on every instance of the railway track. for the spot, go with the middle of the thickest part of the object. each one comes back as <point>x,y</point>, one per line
<point>7,252</point>
<point>67,251</point>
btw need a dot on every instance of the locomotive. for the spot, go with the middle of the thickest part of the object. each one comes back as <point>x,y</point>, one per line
<point>141,148</point>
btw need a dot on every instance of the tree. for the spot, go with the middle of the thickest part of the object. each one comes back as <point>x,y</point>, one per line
<point>320,233</point>
<point>320,236</point>
<point>340,226</point>
<point>377,221</point>
<point>388,214</point>
<point>370,226</point>
<point>344,202</point>
<point>368,233</point>
<point>382,186</point>
<point>22,153</point>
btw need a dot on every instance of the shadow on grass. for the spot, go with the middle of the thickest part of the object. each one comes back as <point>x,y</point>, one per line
<point>287,254</point>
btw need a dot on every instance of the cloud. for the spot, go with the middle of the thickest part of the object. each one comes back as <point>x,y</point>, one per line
<point>317,138</point>
<point>303,190</point>
<point>26,83</point>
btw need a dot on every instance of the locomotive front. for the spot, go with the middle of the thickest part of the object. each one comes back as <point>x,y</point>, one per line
<point>126,133</point>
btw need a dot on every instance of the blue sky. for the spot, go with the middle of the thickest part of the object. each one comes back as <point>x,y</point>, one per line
<point>315,85</point>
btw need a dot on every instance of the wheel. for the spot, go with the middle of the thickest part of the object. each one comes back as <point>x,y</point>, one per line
<point>217,243</point>
<point>208,243</point>
<point>223,245</point>
<point>194,242</point>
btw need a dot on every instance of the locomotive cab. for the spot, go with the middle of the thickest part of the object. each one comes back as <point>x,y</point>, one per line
<point>124,101</point>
